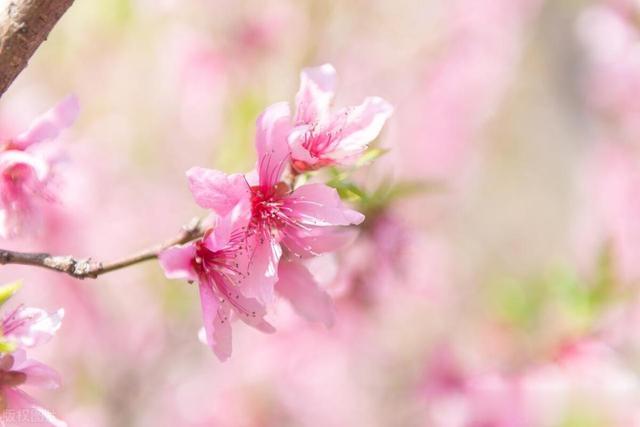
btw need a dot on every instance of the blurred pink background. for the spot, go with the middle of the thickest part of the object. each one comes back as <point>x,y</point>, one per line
<point>503,293</point>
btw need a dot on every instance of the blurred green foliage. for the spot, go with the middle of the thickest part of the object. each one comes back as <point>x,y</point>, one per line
<point>375,200</point>
<point>236,152</point>
<point>526,304</point>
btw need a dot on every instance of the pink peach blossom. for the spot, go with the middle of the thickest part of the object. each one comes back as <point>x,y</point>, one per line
<point>17,408</point>
<point>27,174</point>
<point>321,137</point>
<point>304,220</point>
<point>237,262</point>
<point>29,326</point>
<point>23,328</point>
<point>218,263</point>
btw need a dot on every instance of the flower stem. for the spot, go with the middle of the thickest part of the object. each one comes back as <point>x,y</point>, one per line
<point>87,268</point>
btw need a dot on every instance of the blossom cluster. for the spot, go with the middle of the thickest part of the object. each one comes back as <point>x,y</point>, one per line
<point>511,196</point>
<point>29,181</point>
<point>23,328</point>
<point>267,222</point>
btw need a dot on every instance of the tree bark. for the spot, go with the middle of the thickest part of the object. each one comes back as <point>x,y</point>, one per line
<point>24,25</point>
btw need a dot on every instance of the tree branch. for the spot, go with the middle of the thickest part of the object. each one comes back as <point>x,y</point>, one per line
<point>86,268</point>
<point>24,25</point>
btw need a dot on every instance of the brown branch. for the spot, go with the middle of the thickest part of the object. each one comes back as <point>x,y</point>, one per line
<point>24,25</point>
<point>86,268</point>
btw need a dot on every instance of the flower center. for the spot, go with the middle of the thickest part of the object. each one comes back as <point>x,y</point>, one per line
<point>13,321</point>
<point>222,271</point>
<point>321,141</point>
<point>17,174</point>
<point>223,261</point>
<point>267,207</point>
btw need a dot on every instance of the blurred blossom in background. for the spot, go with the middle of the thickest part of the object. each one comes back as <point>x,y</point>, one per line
<point>494,281</point>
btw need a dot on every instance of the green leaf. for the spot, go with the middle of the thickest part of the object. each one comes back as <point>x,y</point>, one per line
<point>370,156</point>
<point>350,192</point>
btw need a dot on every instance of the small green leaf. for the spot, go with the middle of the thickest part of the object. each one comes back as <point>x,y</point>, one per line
<point>370,156</point>
<point>350,192</point>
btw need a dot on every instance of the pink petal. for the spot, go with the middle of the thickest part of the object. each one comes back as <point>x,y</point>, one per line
<point>11,159</point>
<point>297,285</point>
<point>357,127</point>
<point>177,262</point>
<point>224,227</point>
<point>23,410</point>
<point>217,322</point>
<point>50,124</point>
<point>39,374</point>
<point>24,180</point>
<point>19,358</point>
<point>320,205</point>
<point>31,327</point>
<point>315,94</point>
<point>272,130</point>
<point>319,240</point>
<point>252,177</point>
<point>249,310</point>
<point>299,151</point>
<point>260,262</point>
<point>218,238</point>
<point>218,191</point>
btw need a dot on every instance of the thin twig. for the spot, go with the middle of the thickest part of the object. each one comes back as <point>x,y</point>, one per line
<point>87,268</point>
<point>24,25</point>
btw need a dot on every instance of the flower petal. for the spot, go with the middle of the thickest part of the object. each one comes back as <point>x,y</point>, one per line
<point>272,130</point>
<point>249,310</point>
<point>301,155</point>
<point>23,410</point>
<point>217,322</point>
<point>24,180</point>
<point>30,327</point>
<point>50,124</point>
<point>28,164</point>
<point>297,285</point>
<point>177,262</point>
<point>39,374</point>
<point>320,205</point>
<point>319,240</point>
<point>315,94</point>
<point>260,261</point>
<point>218,191</point>
<point>357,127</point>
<point>227,227</point>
